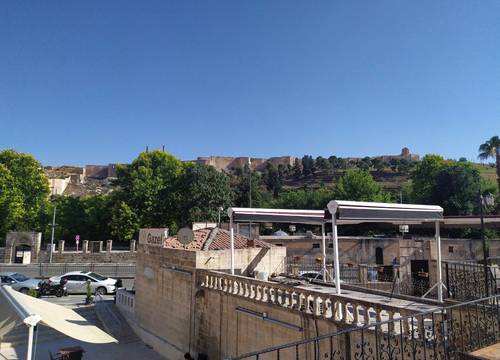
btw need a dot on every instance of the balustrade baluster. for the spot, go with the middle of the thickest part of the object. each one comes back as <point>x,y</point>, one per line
<point>355,314</point>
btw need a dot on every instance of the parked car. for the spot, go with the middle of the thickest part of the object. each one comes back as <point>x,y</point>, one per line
<point>77,282</point>
<point>311,275</point>
<point>19,282</point>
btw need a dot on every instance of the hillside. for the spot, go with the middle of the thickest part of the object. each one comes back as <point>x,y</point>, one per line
<point>390,180</point>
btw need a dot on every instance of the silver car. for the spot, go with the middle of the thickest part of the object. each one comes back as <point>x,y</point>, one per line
<point>19,282</point>
<point>76,282</point>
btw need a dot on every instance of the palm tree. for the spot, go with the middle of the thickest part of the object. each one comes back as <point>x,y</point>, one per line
<point>491,148</point>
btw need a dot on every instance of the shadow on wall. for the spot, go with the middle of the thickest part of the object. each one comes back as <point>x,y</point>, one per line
<point>255,262</point>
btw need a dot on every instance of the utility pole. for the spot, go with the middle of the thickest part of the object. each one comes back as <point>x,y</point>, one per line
<point>250,195</point>
<point>250,189</point>
<point>53,229</point>
<point>483,240</point>
<point>220,209</point>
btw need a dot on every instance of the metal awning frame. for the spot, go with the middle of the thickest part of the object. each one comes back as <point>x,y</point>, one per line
<point>346,213</point>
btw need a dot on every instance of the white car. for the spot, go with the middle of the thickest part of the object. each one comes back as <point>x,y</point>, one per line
<point>76,282</point>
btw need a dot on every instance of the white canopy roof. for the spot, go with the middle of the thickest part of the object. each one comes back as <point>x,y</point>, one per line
<point>17,308</point>
<point>358,212</point>
<point>347,212</point>
<point>314,217</point>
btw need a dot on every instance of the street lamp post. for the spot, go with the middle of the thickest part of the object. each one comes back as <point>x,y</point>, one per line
<point>485,200</point>
<point>53,227</point>
<point>220,209</point>
<point>250,183</point>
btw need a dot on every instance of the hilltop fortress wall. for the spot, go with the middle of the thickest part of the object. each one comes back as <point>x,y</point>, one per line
<point>227,163</point>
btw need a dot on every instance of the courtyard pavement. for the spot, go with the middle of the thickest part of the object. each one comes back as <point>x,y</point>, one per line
<point>137,350</point>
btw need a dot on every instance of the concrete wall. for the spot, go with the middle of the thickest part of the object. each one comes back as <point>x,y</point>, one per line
<point>246,261</point>
<point>166,304</point>
<point>361,250</point>
<point>96,171</point>
<point>222,331</point>
<point>57,186</point>
<point>72,257</point>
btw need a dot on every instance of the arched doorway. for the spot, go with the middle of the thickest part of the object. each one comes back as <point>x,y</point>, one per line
<point>22,254</point>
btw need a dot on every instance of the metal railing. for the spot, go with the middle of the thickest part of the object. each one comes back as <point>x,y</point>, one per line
<point>447,333</point>
<point>44,270</point>
<point>466,280</point>
<point>299,265</point>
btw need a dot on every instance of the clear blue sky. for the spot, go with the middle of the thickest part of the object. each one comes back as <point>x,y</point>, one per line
<point>86,82</point>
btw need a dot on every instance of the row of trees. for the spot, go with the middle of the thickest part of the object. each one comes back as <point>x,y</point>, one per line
<point>308,166</point>
<point>158,190</point>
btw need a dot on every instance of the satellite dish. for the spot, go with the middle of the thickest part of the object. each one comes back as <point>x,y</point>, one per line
<point>185,235</point>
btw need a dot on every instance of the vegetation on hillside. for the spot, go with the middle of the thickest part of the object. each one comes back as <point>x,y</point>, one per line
<point>158,190</point>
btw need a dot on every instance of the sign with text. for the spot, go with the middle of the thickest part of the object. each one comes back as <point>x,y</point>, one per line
<point>153,237</point>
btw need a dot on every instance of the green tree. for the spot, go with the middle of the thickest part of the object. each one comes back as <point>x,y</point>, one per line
<point>308,165</point>
<point>11,203</point>
<point>124,222</point>
<point>150,186</point>
<point>241,188</point>
<point>273,178</point>
<point>98,211</point>
<point>455,188</point>
<point>304,199</point>
<point>422,178</point>
<point>379,164</point>
<point>28,190</point>
<point>452,185</point>
<point>297,168</point>
<point>71,218</point>
<point>491,149</point>
<point>204,191</point>
<point>323,164</point>
<point>358,185</point>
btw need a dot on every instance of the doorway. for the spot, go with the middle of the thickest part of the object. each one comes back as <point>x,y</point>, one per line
<point>22,254</point>
<point>420,276</point>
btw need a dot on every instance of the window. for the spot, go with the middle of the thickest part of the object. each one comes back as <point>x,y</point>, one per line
<point>330,245</point>
<point>97,276</point>
<point>450,249</point>
<point>19,277</point>
<point>75,278</point>
<point>6,280</point>
<point>279,244</point>
<point>315,246</point>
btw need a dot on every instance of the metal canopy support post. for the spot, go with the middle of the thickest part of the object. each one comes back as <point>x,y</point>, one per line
<point>323,249</point>
<point>31,334</point>
<point>336,254</point>
<point>439,284</point>
<point>439,270</point>
<point>231,231</point>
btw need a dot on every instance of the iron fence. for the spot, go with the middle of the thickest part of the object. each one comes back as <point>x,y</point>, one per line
<point>466,280</point>
<point>44,270</point>
<point>446,333</point>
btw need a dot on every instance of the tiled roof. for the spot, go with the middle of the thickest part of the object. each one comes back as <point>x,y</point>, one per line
<point>216,239</point>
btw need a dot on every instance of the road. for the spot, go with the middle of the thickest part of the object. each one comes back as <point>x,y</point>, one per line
<point>72,301</point>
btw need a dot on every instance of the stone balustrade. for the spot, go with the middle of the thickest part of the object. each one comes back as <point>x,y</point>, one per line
<point>125,301</point>
<point>337,308</point>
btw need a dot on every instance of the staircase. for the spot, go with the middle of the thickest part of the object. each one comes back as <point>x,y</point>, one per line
<point>114,323</point>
